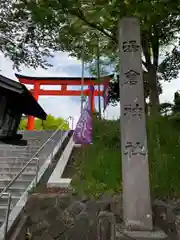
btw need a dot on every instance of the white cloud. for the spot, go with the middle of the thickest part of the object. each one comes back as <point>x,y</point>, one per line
<point>68,66</point>
<point>6,67</point>
<point>57,106</point>
<point>61,107</point>
<point>169,88</point>
<point>112,112</point>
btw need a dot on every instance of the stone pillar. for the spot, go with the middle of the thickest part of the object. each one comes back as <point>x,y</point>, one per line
<point>136,192</point>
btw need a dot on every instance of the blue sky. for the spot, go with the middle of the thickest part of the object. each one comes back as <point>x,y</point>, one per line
<point>65,66</point>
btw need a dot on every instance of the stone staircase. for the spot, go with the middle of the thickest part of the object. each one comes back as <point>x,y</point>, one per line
<point>13,158</point>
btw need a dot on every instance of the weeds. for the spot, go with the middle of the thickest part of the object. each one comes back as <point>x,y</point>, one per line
<point>99,165</point>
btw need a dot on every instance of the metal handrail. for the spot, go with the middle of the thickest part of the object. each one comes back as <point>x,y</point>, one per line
<point>34,157</point>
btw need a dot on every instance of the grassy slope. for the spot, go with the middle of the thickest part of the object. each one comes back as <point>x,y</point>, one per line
<point>99,165</point>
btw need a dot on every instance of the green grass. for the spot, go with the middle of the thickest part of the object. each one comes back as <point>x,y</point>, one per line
<point>98,166</point>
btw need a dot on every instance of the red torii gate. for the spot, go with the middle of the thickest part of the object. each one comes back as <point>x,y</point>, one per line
<point>63,91</point>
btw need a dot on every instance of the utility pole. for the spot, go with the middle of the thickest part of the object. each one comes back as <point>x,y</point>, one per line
<point>82,81</point>
<point>98,78</point>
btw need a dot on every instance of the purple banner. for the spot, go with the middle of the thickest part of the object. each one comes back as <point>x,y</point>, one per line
<point>83,130</point>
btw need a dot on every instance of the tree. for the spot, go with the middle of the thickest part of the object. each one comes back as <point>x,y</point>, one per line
<point>166,108</point>
<point>20,40</point>
<point>175,109</point>
<point>176,106</point>
<point>23,124</point>
<point>114,94</point>
<point>51,123</point>
<point>98,70</point>
<point>71,23</point>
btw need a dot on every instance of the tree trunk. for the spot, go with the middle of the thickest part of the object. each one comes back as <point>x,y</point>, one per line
<point>146,108</point>
<point>154,95</point>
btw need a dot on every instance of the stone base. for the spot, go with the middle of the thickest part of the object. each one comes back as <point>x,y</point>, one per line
<point>58,190</point>
<point>77,145</point>
<point>141,235</point>
<point>59,183</point>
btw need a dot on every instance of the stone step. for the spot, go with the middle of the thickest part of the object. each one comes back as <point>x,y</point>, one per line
<point>16,154</point>
<point>17,192</point>
<point>12,160</point>
<point>42,137</point>
<point>17,184</point>
<point>37,133</point>
<point>38,139</point>
<point>1,221</point>
<point>4,200</point>
<point>16,163</point>
<point>15,169</point>
<point>3,211</point>
<point>34,142</point>
<point>31,145</point>
<point>20,151</point>
<point>25,150</point>
<point>15,151</point>
<point>24,176</point>
<point>6,158</point>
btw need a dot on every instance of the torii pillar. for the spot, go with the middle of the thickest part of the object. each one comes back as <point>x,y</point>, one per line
<point>35,93</point>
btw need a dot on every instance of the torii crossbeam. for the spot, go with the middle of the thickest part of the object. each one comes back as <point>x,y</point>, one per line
<point>63,82</point>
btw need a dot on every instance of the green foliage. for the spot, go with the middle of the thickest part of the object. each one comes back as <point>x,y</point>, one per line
<point>114,93</point>
<point>176,106</point>
<point>31,30</point>
<point>105,67</point>
<point>23,124</point>
<point>99,165</point>
<point>166,108</point>
<point>175,116</point>
<point>21,40</point>
<point>169,68</point>
<point>76,26</point>
<point>164,150</point>
<point>172,110</point>
<point>51,123</point>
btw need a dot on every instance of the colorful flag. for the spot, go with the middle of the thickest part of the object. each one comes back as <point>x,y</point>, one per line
<point>83,130</point>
